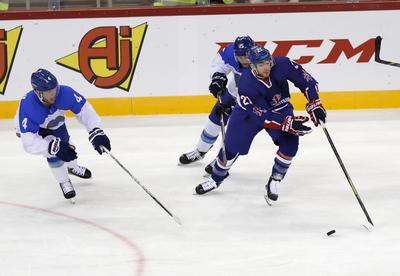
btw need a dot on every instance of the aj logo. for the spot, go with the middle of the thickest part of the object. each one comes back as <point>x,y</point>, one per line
<point>9,41</point>
<point>108,59</point>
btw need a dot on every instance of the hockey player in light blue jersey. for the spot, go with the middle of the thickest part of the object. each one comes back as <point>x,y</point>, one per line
<point>264,104</point>
<point>40,123</point>
<point>232,59</point>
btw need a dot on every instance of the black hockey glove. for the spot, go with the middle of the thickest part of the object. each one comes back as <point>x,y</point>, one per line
<point>225,108</point>
<point>317,111</point>
<point>62,150</point>
<point>98,138</point>
<point>218,84</point>
<point>294,125</point>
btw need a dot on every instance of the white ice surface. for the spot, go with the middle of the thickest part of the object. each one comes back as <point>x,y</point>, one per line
<point>115,228</point>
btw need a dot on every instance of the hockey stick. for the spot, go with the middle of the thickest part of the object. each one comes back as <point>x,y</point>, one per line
<point>221,119</point>
<point>141,185</point>
<point>378,42</point>
<point>345,172</point>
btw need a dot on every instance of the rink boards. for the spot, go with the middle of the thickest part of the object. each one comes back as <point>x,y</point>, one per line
<point>157,61</point>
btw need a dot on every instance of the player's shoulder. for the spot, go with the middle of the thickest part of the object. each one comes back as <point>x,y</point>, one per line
<point>228,55</point>
<point>67,95</point>
<point>246,75</point>
<point>29,101</point>
<point>282,66</point>
<point>31,108</point>
<point>280,61</point>
<point>65,90</point>
<point>247,79</point>
<point>228,49</point>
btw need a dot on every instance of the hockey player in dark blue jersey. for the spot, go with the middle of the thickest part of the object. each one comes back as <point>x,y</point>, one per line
<point>232,59</point>
<point>264,103</point>
<point>40,123</point>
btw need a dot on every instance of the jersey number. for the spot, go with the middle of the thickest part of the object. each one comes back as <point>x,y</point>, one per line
<point>78,99</point>
<point>245,100</point>
<point>25,123</point>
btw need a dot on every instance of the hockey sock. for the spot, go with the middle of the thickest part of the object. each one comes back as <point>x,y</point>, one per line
<point>208,136</point>
<point>59,170</point>
<point>281,165</point>
<point>220,170</point>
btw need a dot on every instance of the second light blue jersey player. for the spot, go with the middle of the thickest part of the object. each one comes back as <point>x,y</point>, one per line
<point>231,60</point>
<point>264,103</point>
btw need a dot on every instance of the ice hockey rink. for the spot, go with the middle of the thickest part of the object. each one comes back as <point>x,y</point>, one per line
<point>115,228</point>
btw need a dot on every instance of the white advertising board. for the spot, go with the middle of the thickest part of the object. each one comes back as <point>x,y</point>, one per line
<point>176,51</point>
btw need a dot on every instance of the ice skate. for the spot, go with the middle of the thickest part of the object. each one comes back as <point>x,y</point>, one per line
<point>190,157</point>
<point>80,171</point>
<point>271,190</point>
<point>206,186</point>
<point>68,189</point>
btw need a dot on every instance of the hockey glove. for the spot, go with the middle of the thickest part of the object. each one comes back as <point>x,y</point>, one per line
<point>317,111</point>
<point>294,125</point>
<point>291,124</point>
<point>98,138</point>
<point>218,84</point>
<point>62,150</point>
<point>225,108</point>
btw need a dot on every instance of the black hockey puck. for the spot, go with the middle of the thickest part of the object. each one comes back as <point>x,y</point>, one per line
<point>331,232</point>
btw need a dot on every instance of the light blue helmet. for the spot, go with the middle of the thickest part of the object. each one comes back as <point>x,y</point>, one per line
<point>43,80</point>
<point>242,45</point>
<point>258,54</point>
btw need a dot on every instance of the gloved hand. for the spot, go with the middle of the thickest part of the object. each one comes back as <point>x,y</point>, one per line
<point>317,111</point>
<point>225,108</point>
<point>62,150</point>
<point>294,125</point>
<point>98,138</point>
<point>218,84</point>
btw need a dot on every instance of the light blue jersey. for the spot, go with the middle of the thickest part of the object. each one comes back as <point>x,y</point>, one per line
<point>226,62</point>
<point>33,118</point>
<point>33,114</point>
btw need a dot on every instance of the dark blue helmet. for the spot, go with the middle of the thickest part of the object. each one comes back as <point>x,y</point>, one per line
<point>258,54</point>
<point>43,80</point>
<point>242,45</point>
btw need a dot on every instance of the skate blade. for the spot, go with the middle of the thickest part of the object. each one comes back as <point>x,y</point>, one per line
<point>72,200</point>
<point>267,200</point>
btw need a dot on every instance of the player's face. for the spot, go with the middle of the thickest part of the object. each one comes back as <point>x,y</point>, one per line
<point>264,68</point>
<point>49,96</point>
<point>243,60</point>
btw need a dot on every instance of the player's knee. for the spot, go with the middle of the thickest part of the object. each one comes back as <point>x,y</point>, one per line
<point>288,145</point>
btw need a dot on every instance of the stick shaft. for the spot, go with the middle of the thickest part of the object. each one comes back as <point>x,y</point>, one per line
<point>360,202</point>
<point>222,132</point>
<point>141,185</point>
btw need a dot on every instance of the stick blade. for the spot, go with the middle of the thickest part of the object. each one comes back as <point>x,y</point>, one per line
<point>177,219</point>
<point>378,41</point>
<point>368,226</point>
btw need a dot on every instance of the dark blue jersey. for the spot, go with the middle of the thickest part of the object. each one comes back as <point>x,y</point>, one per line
<point>264,98</point>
